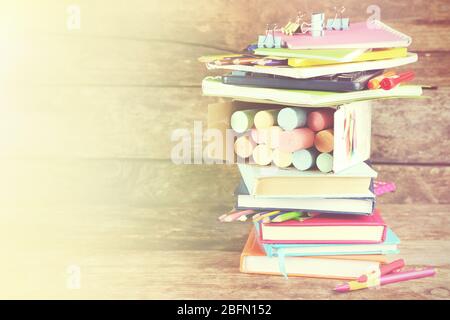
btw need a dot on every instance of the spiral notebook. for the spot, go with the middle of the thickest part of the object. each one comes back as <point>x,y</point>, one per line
<point>375,34</point>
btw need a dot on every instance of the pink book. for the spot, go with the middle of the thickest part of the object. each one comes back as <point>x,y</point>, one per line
<point>326,228</point>
<point>374,34</point>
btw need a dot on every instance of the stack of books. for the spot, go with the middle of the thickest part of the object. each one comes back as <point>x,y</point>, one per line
<point>298,125</point>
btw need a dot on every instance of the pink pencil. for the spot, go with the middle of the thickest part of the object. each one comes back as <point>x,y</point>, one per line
<point>235,215</point>
<point>389,278</point>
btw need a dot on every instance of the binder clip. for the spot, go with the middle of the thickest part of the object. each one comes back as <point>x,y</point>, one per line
<point>269,40</point>
<point>293,27</point>
<point>338,24</point>
<point>316,27</point>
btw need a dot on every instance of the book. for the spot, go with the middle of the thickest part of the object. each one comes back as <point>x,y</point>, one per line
<point>325,228</point>
<point>388,247</point>
<point>275,182</point>
<point>375,54</point>
<point>213,86</point>
<point>348,205</point>
<point>254,260</point>
<point>332,55</point>
<point>359,35</point>
<point>316,71</point>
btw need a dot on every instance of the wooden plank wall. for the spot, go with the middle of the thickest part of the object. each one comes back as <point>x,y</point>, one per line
<point>87,114</point>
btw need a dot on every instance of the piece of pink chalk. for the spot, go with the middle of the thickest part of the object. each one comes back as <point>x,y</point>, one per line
<point>321,119</point>
<point>297,139</point>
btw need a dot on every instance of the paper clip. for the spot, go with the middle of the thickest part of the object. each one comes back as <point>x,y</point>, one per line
<point>338,24</point>
<point>293,27</point>
<point>316,27</point>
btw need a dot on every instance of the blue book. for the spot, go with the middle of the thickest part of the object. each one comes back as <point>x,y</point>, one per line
<point>389,246</point>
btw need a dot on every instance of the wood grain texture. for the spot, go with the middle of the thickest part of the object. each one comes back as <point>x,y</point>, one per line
<point>197,258</point>
<point>155,183</point>
<point>134,122</point>
<point>219,23</point>
<point>102,61</point>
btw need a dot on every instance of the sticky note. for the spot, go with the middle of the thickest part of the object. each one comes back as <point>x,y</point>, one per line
<point>321,119</point>
<point>324,162</point>
<point>297,139</point>
<point>244,146</point>
<point>242,120</point>
<point>262,154</point>
<point>282,159</point>
<point>324,140</point>
<point>292,118</point>
<point>304,159</point>
<point>266,118</point>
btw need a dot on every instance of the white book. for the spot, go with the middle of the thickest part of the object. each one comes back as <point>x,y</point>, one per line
<point>316,71</point>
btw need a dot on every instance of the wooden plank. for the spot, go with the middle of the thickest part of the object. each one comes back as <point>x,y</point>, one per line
<point>218,23</point>
<point>196,258</point>
<point>77,60</point>
<point>153,183</point>
<point>137,122</point>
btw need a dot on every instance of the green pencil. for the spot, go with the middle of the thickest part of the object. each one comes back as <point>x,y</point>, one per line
<point>287,216</point>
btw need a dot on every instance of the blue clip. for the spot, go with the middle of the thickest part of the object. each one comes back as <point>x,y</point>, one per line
<point>338,24</point>
<point>269,40</point>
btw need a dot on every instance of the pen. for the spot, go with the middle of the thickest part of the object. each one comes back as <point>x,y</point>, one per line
<point>387,279</point>
<point>287,216</point>
<point>374,83</point>
<point>385,269</point>
<point>391,82</point>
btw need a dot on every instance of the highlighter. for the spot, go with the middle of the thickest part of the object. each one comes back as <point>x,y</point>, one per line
<point>391,82</point>
<point>375,83</point>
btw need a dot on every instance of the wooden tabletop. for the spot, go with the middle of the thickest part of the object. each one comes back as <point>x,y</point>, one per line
<point>141,253</point>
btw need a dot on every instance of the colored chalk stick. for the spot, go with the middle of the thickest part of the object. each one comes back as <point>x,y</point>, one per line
<point>292,118</point>
<point>304,159</point>
<point>262,154</point>
<point>297,139</point>
<point>269,136</point>
<point>321,119</point>
<point>242,120</point>
<point>266,118</point>
<point>244,146</point>
<point>281,159</point>
<point>324,140</point>
<point>324,162</point>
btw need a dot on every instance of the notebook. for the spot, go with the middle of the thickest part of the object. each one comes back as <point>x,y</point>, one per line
<point>332,55</point>
<point>359,35</point>
<point>388,246</point>
<point>213,86</point>
<point>347,205</point>
<point>375,54</point>
<point>254,260</point>
<point>316,71</point>
<point>325,228</point>
<point>275,182</point>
